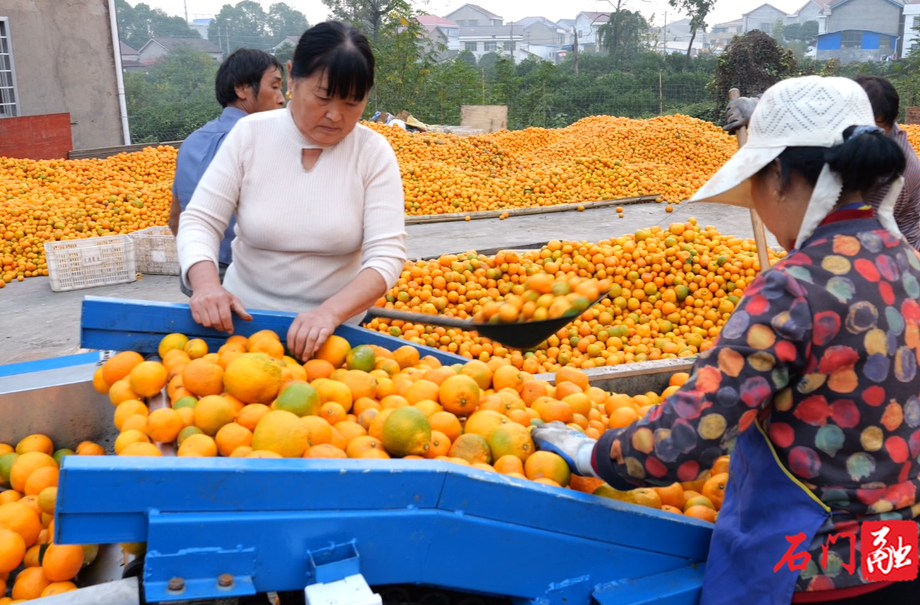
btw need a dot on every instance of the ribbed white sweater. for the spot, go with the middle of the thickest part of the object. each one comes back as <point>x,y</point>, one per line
<point>301,236</point>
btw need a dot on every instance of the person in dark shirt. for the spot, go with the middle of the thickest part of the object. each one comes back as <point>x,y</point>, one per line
<point>248,81</point>
<point>813,383</point>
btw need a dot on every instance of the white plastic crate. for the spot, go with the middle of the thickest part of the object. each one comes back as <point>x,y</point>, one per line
<point>92,262</point>
<point>155,251</point>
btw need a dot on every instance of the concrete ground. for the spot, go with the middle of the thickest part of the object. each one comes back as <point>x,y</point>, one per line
<point>36,323</point>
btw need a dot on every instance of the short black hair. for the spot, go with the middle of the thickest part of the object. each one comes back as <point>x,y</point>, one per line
<point>342,52</point>
<point>886,103</point>
<point>245,67</point>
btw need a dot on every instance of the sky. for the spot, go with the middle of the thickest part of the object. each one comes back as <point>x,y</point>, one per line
<point>510,10</point>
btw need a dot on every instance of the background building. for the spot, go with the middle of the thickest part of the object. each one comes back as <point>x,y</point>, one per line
<point>59,58</point>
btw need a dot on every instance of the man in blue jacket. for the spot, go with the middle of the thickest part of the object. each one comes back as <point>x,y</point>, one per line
<point>248,81</point>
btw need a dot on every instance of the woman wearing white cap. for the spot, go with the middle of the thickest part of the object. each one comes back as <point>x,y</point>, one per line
<point>813,383</point>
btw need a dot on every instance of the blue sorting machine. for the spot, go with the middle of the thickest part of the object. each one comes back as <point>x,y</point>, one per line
<point>222,527</point>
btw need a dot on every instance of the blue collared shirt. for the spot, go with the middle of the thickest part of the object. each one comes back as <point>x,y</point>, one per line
<point>195,155</point>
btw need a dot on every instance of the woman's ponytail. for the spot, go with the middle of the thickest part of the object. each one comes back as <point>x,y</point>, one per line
<point>868,159</point>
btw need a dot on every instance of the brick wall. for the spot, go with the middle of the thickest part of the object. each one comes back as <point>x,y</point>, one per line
<point>44,137</point>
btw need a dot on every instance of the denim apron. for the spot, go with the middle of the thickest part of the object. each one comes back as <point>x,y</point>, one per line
<point>763,504</point>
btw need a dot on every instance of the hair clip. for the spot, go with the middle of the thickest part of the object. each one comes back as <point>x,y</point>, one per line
<point>860,130</point>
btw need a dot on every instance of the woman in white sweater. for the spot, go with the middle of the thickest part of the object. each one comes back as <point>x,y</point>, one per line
<point>318,199</point>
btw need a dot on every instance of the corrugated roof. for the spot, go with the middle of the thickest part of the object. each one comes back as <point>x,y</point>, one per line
<point>488,13</point>
<point>125,49</point>
<point>596,17</point>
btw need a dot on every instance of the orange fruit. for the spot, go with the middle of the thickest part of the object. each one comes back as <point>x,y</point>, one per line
<point>580,403</point>
<point>576,376</point>
<point>22,520</point>
<point>25,465</point>
<point>672,495</point>
<point>318,368</point>
<point>39,479</point>
<point>300,399</point>
<point>533,390</point>
<point>333,391</point>
<point>509,463</point>
<point>119,366</point>
<point>508,377</point>
<point>406,356</point>
<point>62,562</point>
<point>478,371</point>
<point>125,409</point>
<point>422,389</point>
<point>324,450</point>
<point>446,423</point>
<point>47,500</point>
<point>471,448</point>
<point>172,342</point>
<point>213,412</point>
<point>202,377</point>
<point>510,439</point>
<point>334,351</point>
<point>126,438</point>
<point>231,436</point>
<point>9,495</point>
<point>720,466</point>
<point>439,445</point>
<point>147,378</point>
<point>439,375</point>
<point>196,348</point>
<point>30,583</point>
<point>135,423</point>
<point>35,443</point>
<point>701,512</point>
<point>270,346</point>
<point>350,430</point>
<point>58,588</point>
<point>484,422</point>
<point>163,425</point>
<point>250,415</point>
<point>253,378</point>
<point>714,489</point>
<point>585,485</point>
<point>360,383</point>
<point>678,379</point>
<point>459,395</point>
<point>121,391</point>
<point>645,496</point>
<point>283,433</point>
<point>547,481</point>
<point>333,413</point>
<point>361,445</point>
<point>198,445</point>
<point>141,449</point>
<point>406,431</point>
<point>671,509</point>
<point>549,465</point>
<point>12,550</point>
<point>99,382</point>
<point>375,430</point>
<point>263,454</point>
<point>319,431</point>
<point>88,448</point>
<point>622,417</point>
<point>699,500</point>
<point>33,556</point>
<point>561,391</point>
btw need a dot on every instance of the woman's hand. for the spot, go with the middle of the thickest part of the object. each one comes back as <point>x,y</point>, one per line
<point>309,331</point>
<point>212,306</point>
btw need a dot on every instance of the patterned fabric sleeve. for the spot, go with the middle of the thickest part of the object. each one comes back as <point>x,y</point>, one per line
<point>764,345</point>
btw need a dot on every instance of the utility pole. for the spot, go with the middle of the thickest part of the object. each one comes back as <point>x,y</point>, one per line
<point>185,5</point>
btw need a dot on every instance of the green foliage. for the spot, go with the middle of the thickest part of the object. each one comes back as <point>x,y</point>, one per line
<point>698,10</point>
<point>624,35</point>
<point>137,24</point>
<point>173,99</point>
<point>369,15</point>
<point>752,63</point>
<point>247,25</point>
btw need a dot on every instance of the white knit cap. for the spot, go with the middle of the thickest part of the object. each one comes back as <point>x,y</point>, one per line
<point>799,112</point>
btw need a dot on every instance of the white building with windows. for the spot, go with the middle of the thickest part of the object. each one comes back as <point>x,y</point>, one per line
<point>586,26</point>
<point>911,23</point>
<point>490,39</point>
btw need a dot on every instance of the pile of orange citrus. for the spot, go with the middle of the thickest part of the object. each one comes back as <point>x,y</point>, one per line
<point>672,290</point>
<point>248,399</point>
<point>52,200</point>
<point>544,298</point>
<point>31,564</point>
<point>597,158</point>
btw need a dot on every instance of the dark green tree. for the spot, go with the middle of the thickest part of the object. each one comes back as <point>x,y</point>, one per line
<point>369,15</point>
<point>242,26</point>
<point>137,24</point>
<point>284,21</point>
<point>173,98</point>
<point>752,63</point>
<point>624,35</point>
<point>698,11</point>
